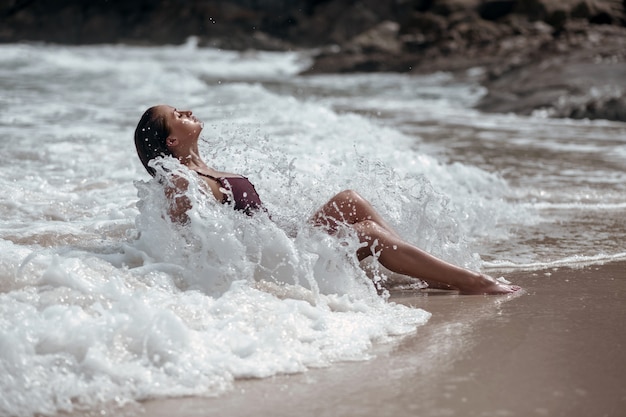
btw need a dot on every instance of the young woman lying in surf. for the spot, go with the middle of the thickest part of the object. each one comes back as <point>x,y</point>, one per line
<point>166,131</point>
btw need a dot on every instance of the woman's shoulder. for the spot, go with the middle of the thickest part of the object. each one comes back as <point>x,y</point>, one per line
<point>216,175</point>
<point>175,181</point>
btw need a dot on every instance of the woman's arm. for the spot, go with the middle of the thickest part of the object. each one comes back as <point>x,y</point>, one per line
<point>179,203</point>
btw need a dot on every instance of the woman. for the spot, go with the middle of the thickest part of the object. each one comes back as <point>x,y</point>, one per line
<point>166,131</point>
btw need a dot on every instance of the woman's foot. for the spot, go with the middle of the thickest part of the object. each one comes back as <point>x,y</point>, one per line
<point>484,284</point>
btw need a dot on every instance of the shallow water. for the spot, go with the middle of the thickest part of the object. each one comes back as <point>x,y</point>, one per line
<point>104,301</point>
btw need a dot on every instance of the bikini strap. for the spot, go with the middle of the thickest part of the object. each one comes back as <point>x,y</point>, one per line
<point>208,176</point>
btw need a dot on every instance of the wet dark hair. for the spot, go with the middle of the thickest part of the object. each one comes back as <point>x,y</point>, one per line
<point>150,136</point>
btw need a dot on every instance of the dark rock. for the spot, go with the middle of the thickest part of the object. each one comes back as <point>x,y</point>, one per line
<point>381,38</point>
<point>496,9</point>
<point>579,85</point>
<point>423,5</point>
<point>425,23</point>
<point>477,31</point>
<point>557,11</point>
<point>449,7</point>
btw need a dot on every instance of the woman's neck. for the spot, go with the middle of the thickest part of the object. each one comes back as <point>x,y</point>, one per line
<point>190,158</point>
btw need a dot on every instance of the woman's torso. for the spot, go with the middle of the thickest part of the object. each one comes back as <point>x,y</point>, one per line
<point>234,189</point>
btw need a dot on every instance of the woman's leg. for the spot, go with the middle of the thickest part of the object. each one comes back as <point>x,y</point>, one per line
<point>348,207</point>
<point>396,254</point>
<point>403,258</point>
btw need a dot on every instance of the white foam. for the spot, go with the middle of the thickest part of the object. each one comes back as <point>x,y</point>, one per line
<point>575,261</point>
<point>91,332</point>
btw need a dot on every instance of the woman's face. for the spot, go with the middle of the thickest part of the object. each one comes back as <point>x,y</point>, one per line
<point>182,124</point>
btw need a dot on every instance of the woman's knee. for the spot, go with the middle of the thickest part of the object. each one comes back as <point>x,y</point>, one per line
<point>349,196</point>
<point>372,236</point>
<point>368,230</point>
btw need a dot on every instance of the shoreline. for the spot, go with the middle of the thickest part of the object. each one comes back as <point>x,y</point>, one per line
<point>556,349</point>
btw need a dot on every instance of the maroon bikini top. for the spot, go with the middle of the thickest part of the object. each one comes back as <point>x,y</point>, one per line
<point>240,192</point>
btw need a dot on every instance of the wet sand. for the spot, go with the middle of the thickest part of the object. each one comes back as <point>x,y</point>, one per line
<point>558,349</point>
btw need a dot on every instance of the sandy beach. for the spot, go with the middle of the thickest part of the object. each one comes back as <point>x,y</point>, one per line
<point>558,349</point>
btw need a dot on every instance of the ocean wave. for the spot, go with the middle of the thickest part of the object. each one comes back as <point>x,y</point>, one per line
<point>576,261</point>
